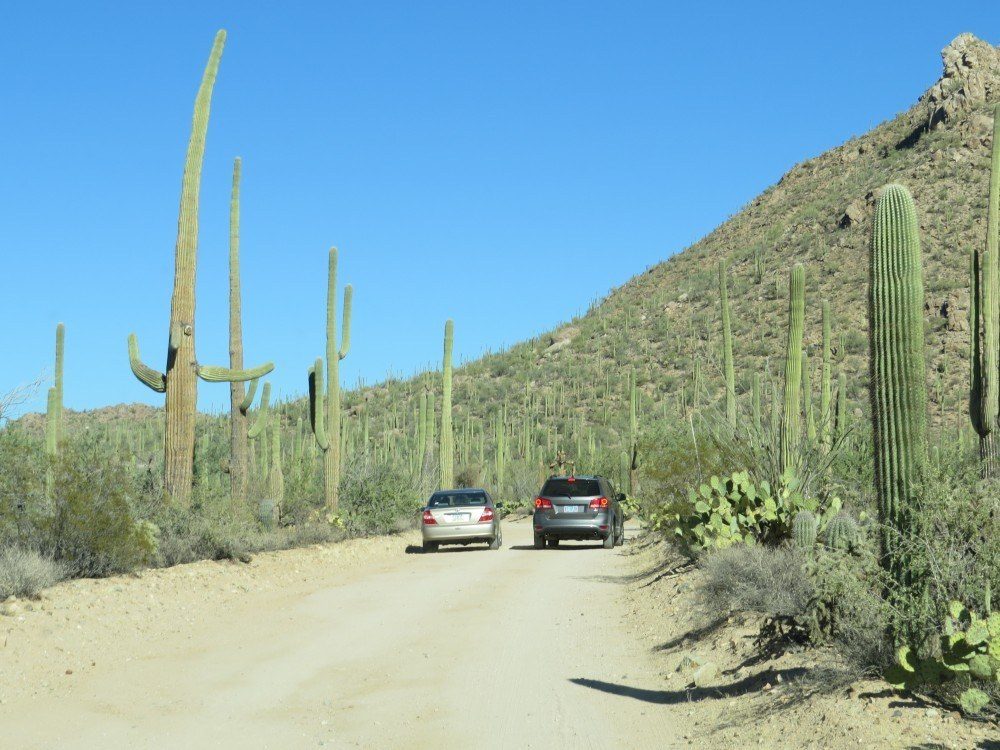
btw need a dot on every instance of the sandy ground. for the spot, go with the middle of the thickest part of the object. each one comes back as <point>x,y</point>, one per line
<point>363,644</point>
<point>353,645</point>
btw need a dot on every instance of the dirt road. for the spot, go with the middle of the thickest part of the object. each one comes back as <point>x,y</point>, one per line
<point>363,647</point>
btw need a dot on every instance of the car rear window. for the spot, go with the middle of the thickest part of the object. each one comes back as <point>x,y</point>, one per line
<point>456,499</point>
<point>571,488</point>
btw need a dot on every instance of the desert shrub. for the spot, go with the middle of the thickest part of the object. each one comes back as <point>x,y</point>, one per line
<point>92,527</point>
<point>755,578</point>
<point>24,572</point>
<point>376,497</point>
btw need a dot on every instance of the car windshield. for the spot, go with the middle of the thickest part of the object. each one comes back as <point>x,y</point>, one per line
<point>571,488</point>
<point>457,499</point>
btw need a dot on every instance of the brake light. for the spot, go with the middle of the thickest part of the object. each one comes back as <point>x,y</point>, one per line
<point>487,515</point>
<point>542,504</point>
<point>598,502</point>
<point>571,479</point>
<point>428,518</point>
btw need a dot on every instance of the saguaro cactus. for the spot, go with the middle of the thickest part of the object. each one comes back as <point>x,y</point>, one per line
<point>326,409</point>
<point>898,381</point>
<point>58,381</point>
<point>727,348</point>
<point>791,425</point>
<point>240,398</point>
<point>180,380</point>
<point>633,436</point>
<point>826,385</point>
<point>447,439</point>
<point>984,318</point>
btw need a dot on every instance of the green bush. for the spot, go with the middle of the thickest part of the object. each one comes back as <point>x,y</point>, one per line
<point>24,572</point>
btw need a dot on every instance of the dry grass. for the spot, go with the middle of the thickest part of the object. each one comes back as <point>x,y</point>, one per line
<point>24,572</point>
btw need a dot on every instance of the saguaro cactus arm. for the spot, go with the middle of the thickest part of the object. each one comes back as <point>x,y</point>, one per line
<point>225,375</point>
<point>260,424</point>
<point>317,405</point>
<point>248,398</point>
<point>345,334</point>
<point>147,375</point>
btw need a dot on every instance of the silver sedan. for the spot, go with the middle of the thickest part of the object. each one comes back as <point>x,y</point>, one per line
<point>460,517</point>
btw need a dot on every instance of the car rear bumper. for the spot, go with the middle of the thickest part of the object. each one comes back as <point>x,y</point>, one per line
<point>459,532</point>
<point>556,527</point>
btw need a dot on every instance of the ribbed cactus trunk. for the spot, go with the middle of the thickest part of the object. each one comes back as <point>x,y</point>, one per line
<point>898,383</point>
<point>755,399</point>
<point>807,402</point>
<point>840,424</point>
<point>422,431</point>
<point>181,374</point>
<point>58,382</point>
<point>791,424</point>
<point>826,385</point>
<point>238,422</point>
<point>276,474</point>
<point>447,458</point>
<point>331,457</point>
<point>633,431</point>
<point>984,315</point>
<point>727,348</point>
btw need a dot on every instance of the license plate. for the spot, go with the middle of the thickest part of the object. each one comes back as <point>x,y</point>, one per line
<point>458,517</point>
<point>571,508</point>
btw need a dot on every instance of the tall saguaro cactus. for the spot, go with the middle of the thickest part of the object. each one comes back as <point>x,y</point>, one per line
<point>727,348</point>
<point>240,398</point>
<point>898,380</point>
<point>984,315</point>
<point>633,436</point>
<point>325,409</point>
<point>447,439</point>
<point>826,385</point>
<point>58,382</point>
<point>180,380</point>
<point>791,425</point>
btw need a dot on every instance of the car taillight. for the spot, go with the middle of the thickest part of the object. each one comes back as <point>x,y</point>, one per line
<point>598,502</point>
<point>487,515</point>
<point>428,518</point>
<point>543,504</point>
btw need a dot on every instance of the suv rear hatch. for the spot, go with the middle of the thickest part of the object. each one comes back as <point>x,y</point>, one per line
<point>572,498</point>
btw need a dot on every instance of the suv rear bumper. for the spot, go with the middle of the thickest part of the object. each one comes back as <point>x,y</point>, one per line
<point>598,527</point>
<point>459,532</point>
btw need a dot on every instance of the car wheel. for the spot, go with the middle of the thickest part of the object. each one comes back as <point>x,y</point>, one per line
<point>430,546</point>
<point>553,542</point>
<point>539,541</point>
<point>609,540</point>
<point>497,541</point>
<point>620,536</point>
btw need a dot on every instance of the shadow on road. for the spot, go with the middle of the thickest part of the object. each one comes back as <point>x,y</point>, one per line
<point>416,549</point>
<point>560,548</point>
<point>752,684</point>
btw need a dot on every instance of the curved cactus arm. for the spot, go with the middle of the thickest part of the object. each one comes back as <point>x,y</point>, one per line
<point>225,375</point>
<point>147,375</point>
<point>317,405</point>
<point>248,398</point>
<point>260,424</point>
<point>345,334</point>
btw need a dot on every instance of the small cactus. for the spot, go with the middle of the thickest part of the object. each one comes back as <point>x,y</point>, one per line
<point>805,527</point>
<point>842,533</point>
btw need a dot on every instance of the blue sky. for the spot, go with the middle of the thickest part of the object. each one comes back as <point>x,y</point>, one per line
<point>503,164</point>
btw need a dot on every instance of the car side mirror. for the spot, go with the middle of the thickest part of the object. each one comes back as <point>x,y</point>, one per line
<point>498,505</point>
<point>621,497</point>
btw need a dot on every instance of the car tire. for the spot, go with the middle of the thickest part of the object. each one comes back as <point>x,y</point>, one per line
<point>539,541</point>
<point>609,540</point>
<point>553,542</point>
<point>497,541</point>
<point>620,536</point>
<point>430,547</point>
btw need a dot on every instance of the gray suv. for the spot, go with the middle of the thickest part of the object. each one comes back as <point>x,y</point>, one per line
<point>578,508</point>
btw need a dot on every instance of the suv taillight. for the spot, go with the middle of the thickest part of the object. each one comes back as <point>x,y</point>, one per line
<point>542,503</point>
<point>598,502</point>
<point>487,515</point>
<point>428,518</point>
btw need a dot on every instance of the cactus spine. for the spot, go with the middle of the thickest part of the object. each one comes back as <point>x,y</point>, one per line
<point>984,314</point>
<point>791,425</point>
<point>898,380</point>
<point>727,348</point>
<point>325,408</point>
<point>447,438</point>
<point>180,381</point>
<point>805,526</point>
